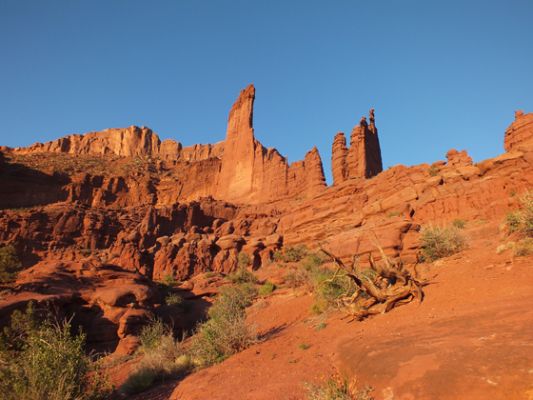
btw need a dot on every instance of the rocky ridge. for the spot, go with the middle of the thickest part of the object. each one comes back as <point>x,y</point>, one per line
<point>121,200</point>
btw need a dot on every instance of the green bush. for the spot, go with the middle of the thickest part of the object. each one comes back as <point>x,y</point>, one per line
<point>437,242</point>
<point>173,299</point>
<point>433,170</point>
<point>295,254</point>
<point>266,289</point>
<point>42,361</point>
<point>243,260</point>
<point>513,221</point>
<point>169,280</point>
<point>291,254</point>
<point>10,265</point>
<point>336,389</point>
<point>522,219</point>
<point>523,247</point>
<point>242,275</point>
<point>459,223</point>
<point>151,335</point>
<point>161,357</point>
<point>226,331</point>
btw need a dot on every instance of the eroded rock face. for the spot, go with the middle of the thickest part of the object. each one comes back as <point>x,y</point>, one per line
<point>519,135</point>
<point>339,153</point>
<point>363,158</point>
<point>122,201</point>
<point>125,142</point>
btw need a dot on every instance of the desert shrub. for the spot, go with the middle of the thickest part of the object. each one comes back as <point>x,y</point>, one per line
<point>459,223</point>
<point>337,389</point>
<point>173,299</point>
<point>161,357</point>
<point>266,288</point>
<point>43,361</point>
<point>523,247</point>
<point>513,221</point>
<point>169,280</point>
<point>522,219</point>
<point>295,254</point>
<point>433,170</point>
<point>226,331</point>
<point>242,275</point>
<point>243,260</point>
<point>296,278</point>
<point>312,261</point>
<point>291,254</point>
<point>9,264</point>
<point>151,334</point>
<point>437,242</point>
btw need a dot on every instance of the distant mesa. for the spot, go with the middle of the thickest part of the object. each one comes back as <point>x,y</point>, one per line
<point>239,169</point>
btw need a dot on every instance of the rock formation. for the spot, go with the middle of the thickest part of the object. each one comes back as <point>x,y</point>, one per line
<point>519,135</point>
<point>363,158</point>
<point>122,206</point>
<point>339,153</point>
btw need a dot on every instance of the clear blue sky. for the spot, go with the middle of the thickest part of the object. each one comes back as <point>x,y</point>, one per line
<point>441,74</point>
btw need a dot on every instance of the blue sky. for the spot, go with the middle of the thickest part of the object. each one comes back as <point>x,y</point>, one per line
<point>440,74</point>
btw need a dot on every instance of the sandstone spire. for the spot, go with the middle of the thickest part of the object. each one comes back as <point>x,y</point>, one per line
<point>236,172</point>
<point>339,152</point>
<point>363,158</point>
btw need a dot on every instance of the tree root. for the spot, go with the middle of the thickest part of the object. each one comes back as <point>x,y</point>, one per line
<point>388,286</point>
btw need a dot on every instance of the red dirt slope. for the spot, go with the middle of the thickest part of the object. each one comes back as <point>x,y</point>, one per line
<point>469,339</point>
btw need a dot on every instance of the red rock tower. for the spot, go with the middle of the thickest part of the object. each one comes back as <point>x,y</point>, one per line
<point>363,158</point>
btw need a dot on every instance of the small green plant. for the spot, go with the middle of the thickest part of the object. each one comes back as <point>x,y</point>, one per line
<point>151,334</point>
<point>161,357</point>
<point>243,260</point>
<point>320,326</point>
<point>242,275</point>
<point>169,280</point>
<point>459,223</point>
<point>41,360</point>
<point>523,247</point>
<point>266,288</point>
<point>437,242</point>
<point>10,265</point>
<point>173,299</point>
<point>312,261</point>
<point>226,331</point>
<point>295,254</point>
<point>522,220</point>
<point>433,170</point>
<point>337,389</point>
<point>304,346</point>
<point>513,221</point>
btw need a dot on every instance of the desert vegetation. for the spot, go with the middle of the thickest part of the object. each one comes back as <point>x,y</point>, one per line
<point>226,331</point>
<point>10,264</point>
<point>437,242</point>
<point>521,220</point>
<point>336,388</point>
<point>41,360</point>
<point>161,357</point>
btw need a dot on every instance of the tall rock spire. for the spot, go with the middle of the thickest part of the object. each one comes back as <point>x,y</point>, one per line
<point>363,158</point>
<point>339,152</point>
<point>236,172</point>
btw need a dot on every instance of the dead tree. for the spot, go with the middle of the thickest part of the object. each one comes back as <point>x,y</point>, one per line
<point>378,289</point>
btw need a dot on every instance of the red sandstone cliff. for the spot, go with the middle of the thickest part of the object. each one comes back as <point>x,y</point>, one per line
<point>519,135</point>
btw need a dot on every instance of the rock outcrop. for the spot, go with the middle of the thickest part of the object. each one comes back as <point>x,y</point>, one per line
<point>519,135</point>
<point>251,173</point>
<point>339,153</point>
<point>363,158</point>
